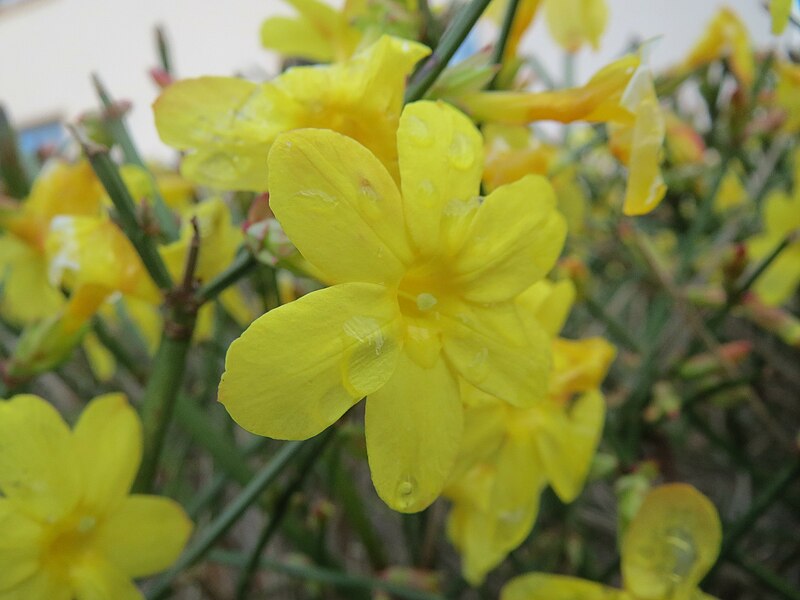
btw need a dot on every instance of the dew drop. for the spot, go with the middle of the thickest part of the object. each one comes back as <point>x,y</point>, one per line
<point>319,195</point>
<point>461,154</point>
<point>419,131</point>
<point>86,524</point>
<point>426,301</point>
<point>368,191</point>
<point>406,492</point>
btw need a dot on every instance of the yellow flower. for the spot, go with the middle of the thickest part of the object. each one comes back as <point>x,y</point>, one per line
<point>61,189</point>
<point>725,38</point>
<point>573,23</point>
<point>70,527</point>
<point>780,11</point>
<point>731,191</point>
<point>509,454</point>
<point>781,214</point>
<point>228,125</point>
<point>639,145</point>
<point>787,94</point>
<point>511,153</point>
<point>424,281</point>
<point>666,551</point>
<point>598,100</point>
<point>683,144</point>
<point>317,33</point>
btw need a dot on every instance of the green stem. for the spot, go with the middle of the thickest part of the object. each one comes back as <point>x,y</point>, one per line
<point>505,30</point>
<point>242,264</point>
<point>207,537</point>
<point>452,38</point>
<point>163,50</point>
<point>109,176</point>
<point>751,277</point>
<point>337,579</point>
<point>135,366</point>
<point>119,133</point>
<point>432,31</point>
<point>616,329</point>
<point>160,396</point>
<point>767,578</point>
<point>12,169</point>
<point>278,513</point>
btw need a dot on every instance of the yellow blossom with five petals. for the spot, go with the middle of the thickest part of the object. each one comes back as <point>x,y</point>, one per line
<point>70,527</point>
<point>228,125</point>
<point>424,280</point>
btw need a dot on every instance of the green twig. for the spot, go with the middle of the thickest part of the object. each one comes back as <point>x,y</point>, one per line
<point>617,331</point>
<point>505,30</point>
<point>750,278</point>
<point>767,578</point>
<point>453,37</point>
<point>242,264</point>
<point>337,579</point>
<point>113,117</point>
<point>12,169</point>
<point>163,50</point>
<point>207,537</point>
<point>278,513</point>
<point>112,343</point>
<point>109,176</point>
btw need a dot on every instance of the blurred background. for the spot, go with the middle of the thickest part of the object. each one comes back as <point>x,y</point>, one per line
<point>49,48</point>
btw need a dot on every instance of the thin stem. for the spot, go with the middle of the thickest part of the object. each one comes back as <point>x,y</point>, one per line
<point>112,343</point>
<point>617,330</point>
<point>452,38</point>
<point>12,169</point>
<point>207,537</point>
<point>242,264</point>
<point>109,176</point>
<point>163,50</point>
<point>750,278</point>
<point>767,578</point>
<point>345,581</point>
<point>278,513</point>
<point>122,137</point>
<point>505,31</point>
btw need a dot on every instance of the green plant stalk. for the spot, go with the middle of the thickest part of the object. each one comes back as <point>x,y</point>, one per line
<point>119,133</point>
<point>750,278</point>
<point>109,176</point>
<point>242,264</point>
<point>767,578</point>
<point>12,169</point>
<point>432,28</point>
<point>208,536</point>
<point>343,581</point>
<point>225,453</point>
<point>163,50</point>
<point>279,512</point>
<point>162,391</point>
<point>499,50</point>
<point>425,76</point>
<point>112,343</point>
<point>616,330</point>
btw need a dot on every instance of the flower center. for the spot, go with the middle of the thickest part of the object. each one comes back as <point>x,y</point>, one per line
<point>68,541</point>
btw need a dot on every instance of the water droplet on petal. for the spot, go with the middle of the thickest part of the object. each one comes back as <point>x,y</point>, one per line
<point>461,153</point>
<point>319,195</point>
<point>419,131</point>
<point>366,352</point>
<point>406,492</point>
<point>426,301</point>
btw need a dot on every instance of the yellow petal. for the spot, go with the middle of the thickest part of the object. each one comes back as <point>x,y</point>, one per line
<point>39,585</point>
<point>96,579</point>
<point>20,546</point>
<point>144,535</point>
<point>64,189</point>
<point>780,10</point>
<point>339,206</point>
<point>298,368</point>
<point>514,240</point>
<point>671,543</point>
<point>108,448</point>
<point>597,101</point>
<point>777,284</point>
<point>37,465</point>
<point>441,161</point>
<point>484,432</point>
<point>26,294</point>
<point>567,440</point>
<point>491,349</point>
<point>548,302</point>
<point>725,37</point>
<point>573,22</point>
<point>579,365</point>
<point>226,124</point>
<point>541,586</point>
<point>787,93</point>
<point>413,427</point>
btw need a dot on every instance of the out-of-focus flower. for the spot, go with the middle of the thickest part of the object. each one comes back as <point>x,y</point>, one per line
<point>780,11</point>
<point>787,93</point>
<point>425,277</point>
<point>781,214</point>
<point>731,191</point>
<point>61,189</point>
<point>70,527</point>
<point>512,153</point>
<point>725,38</point>
<point>598,101</point>
<point>639,145</point>
<point>573,23</point>
<point>509,454</point>
<point>683,144</point>
<point>318,32</point>
<point>668,548</point>
<point>228,125</point>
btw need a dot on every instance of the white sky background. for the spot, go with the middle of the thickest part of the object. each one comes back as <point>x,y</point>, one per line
<point>48,48</point>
